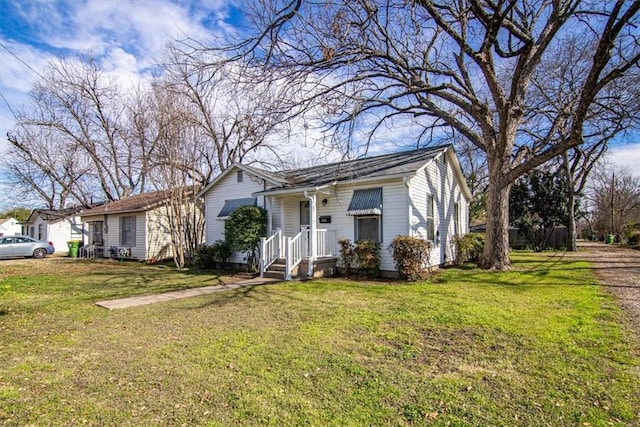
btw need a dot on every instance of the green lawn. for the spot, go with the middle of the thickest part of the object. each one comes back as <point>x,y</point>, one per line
<point>541,345</point>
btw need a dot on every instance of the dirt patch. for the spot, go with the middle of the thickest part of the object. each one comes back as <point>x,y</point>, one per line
<point>618,270</point>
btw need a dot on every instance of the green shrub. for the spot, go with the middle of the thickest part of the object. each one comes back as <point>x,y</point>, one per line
<point>468,248</point>
<point>367,258</point>
<point>364,256</point>
<point>204,257</point>
<point>411,256</point>
<point>207,256</point>
<point>243,230</point>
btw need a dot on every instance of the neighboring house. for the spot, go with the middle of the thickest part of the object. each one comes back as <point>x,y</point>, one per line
<point>57,226</point>
<point>10,227</point>
<point>137,227</point>
<point>421,193</point>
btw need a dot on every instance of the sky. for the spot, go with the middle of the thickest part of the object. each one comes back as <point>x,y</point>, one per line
<point>126,36</point>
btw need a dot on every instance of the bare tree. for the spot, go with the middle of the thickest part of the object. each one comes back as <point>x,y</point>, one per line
<point>468,64</point>
<point>76,133</point>
<point>555,95</point>
<point>239,119</point>
<point>615,200</point>
<point>175,167</point>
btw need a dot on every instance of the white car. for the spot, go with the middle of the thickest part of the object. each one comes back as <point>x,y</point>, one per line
<point>22,246</point>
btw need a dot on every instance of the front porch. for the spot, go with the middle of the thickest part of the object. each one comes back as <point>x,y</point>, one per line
<point>307,254</point>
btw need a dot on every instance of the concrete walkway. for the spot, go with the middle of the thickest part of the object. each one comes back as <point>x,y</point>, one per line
<point>186,293</point>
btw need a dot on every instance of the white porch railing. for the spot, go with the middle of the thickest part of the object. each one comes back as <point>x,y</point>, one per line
<point>270,250</point>
<point>295,249</point>
<point>91,251</point>
<point>326,243</point>
<point>293,253</point>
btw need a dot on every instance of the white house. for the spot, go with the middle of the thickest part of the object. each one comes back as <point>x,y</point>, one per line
<point>55,226</point>
<point>10,227</point>
<point>137,227</point>
<point>421,193</point>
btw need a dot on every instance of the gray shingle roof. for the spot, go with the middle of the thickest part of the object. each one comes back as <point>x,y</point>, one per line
<point>368,167</point>
<point>53,214</point>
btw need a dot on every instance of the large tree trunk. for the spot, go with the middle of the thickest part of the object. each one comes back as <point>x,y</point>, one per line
<point>495,255</point>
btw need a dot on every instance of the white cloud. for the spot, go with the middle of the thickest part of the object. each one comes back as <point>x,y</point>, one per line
<point>20,74</point>
<point>627,156</point>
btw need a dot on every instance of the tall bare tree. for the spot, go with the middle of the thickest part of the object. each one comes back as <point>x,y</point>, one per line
<point>468,63</point>
<point>555,95</point>
<point>176,168</point>
<point>240,119</point>
<point>614,195</point>
<point>76,132</point>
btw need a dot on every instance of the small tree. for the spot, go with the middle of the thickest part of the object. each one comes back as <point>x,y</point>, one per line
<point>537,204</point>
<point>243,230</point>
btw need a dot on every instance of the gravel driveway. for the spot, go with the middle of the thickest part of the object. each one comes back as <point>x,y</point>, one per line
<point>618,270</point>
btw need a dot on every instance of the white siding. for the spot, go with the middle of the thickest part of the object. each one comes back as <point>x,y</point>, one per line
<point>439,180</point>
<point>158,234</point>
<point>227,188</point>
<point>394,213</point>
<point>58,232</point>
<point>111,236</point>
<point>11,227</point>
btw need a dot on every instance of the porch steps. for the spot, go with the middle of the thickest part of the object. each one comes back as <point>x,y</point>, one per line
<point>278,269</point>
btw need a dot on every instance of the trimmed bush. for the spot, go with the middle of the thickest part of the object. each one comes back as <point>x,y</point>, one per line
<point>468,248</point>
<point>364,256</point>
<point>243,230</point>
<point>411,256</point>
<point>207,256</point>
<point>367,258</point>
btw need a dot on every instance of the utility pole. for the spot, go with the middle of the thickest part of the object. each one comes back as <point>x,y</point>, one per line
<point>613,181</point>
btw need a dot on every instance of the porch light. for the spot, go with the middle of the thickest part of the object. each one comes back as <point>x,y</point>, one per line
<point>324,202</point>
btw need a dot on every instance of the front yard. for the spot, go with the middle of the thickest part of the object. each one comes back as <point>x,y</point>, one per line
<point>541,345</point>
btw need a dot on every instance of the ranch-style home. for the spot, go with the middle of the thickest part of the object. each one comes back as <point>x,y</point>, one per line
<point>10,227</point>
<point>57,226</point>
<point>421,193</point>
<point>136,227</point>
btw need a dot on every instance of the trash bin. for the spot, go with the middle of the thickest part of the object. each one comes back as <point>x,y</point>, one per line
<point>610,239</point>
<point>74,246</point>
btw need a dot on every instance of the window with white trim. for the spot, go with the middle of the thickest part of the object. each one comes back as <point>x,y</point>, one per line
<point>431,226</point>
<point>456,219</point>
<point>128,230</point>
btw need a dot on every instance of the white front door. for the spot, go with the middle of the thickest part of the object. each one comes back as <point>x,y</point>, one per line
<point>305,226</point>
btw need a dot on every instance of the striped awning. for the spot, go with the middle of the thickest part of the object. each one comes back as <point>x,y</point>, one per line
<point>366,202</point>
<point>233,204</point>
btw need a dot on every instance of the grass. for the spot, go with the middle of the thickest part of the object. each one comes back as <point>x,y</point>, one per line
<point>541,345</point>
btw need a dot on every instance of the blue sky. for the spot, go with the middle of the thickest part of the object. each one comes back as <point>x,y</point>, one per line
<point>126,36</point>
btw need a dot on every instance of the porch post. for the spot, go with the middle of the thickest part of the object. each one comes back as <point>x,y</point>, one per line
<point>262,255</point>
<point>312,231</point>
<point>267,203</point>
<point>287,254</point>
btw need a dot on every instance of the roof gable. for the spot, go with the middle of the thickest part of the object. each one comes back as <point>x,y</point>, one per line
<point>274,178</point>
